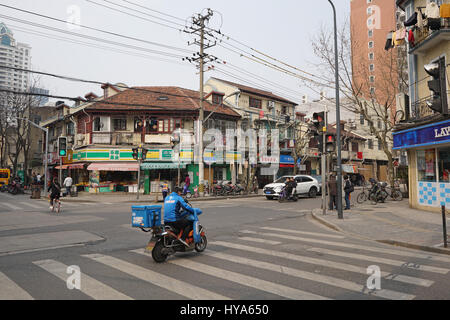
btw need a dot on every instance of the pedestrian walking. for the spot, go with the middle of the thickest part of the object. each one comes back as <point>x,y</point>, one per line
<point>332,187</point>
<point>348,189</point>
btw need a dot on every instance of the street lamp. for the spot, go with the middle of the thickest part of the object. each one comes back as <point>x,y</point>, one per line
<point>46,151</point>
<point>338,118</point>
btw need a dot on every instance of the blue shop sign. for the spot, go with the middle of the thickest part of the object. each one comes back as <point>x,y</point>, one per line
<point>432,134</point>
<point>287,159</point>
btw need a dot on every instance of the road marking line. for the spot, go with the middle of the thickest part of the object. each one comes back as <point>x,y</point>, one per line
<point>248,281</point>
<point>89,286</point>
<point>11,291</point>
<point>182,288</point>
<point>259,240</point>
<point>431,257</point>
<point>339,283</point>
<point>12,206</point>
<point>397,263</point>
<point>31,205</point>
<point>304,232</point>
<point>324,263</point>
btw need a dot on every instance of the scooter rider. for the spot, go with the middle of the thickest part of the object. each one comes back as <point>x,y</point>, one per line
<point>174,216</point>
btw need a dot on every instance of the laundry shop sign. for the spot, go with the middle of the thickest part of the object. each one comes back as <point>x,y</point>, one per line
<point>443,132</point>
<point>431,134</point>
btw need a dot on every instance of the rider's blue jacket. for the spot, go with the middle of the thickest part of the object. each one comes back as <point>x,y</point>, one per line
<point>172,208</point>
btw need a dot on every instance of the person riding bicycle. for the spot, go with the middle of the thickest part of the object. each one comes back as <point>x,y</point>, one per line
<point>55,189</point>
<point>174,216</point>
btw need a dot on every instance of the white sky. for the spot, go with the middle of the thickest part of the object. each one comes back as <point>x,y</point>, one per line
<point>282,29</point>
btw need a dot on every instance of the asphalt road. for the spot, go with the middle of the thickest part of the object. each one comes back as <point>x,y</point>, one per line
<point>257,249</point>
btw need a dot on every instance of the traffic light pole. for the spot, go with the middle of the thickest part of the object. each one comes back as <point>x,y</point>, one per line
<point>338,117</point>
<point>324,165</point>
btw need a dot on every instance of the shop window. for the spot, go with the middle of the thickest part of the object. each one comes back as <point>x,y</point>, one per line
<point>426,165</point>
<point>444,164</point>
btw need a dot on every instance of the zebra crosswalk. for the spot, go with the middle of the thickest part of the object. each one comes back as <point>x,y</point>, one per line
<point>256,264</point>
<point>19,204</point>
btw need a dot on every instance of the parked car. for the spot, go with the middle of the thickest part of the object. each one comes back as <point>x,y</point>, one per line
<point>319,179</point>
<point>306,185</point>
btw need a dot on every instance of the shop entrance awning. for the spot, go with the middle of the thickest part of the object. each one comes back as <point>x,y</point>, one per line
<point>71,166</point>
<point>108,166</point>
<point>164,165</point>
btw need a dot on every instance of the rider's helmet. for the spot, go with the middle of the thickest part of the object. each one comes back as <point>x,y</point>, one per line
<point>177,189</point>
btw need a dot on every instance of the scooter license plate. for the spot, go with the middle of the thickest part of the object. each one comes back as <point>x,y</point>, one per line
<point>150,245</point>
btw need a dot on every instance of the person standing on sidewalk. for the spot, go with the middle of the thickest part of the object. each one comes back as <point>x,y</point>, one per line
<point>332,189</point>
<point>348,188</point>
<point>68,184</point>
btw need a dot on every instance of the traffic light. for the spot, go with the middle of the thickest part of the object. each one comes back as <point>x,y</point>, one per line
<point>319,121</point>
<point>438,86</point>
<point>135,153</point>
<point>144,153</point>
<point>330,143</point>
<point>62,146</point>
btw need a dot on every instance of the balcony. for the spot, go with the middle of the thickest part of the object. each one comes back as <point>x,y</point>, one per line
<point>116,138</point>
<point>426,40</point>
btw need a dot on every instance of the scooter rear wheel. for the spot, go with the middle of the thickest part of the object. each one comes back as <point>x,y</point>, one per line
<point>157,254</point>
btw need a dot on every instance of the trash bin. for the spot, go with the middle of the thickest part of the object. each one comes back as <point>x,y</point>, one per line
<point>35,191</point>
<point>74,191</point>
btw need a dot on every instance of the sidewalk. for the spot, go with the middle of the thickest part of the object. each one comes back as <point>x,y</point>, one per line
<point>392,222</point>
<point>114,197</point>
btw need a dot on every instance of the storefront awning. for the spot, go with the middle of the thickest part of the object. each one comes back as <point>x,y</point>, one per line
<point>108,166</point>
<point>164,165</point>
<point>71,166</point>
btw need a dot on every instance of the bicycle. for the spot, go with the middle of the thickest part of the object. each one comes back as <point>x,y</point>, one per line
<point>363,196</point>
<point>56,206</point>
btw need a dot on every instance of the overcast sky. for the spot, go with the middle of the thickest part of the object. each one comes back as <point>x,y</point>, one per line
<point>282,29</point>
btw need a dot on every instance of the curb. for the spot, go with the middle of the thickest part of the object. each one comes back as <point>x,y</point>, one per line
<point>326,223</point>
<point>415,246</point>
<point>387,241</point>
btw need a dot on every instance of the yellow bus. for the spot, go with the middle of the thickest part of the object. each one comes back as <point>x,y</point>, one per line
<point>4,176</point>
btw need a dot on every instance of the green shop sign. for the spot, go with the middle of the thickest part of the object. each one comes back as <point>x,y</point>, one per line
<point>119,155</point>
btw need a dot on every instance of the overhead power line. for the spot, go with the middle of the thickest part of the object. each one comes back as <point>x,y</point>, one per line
<point>93,82</point>
<point>94,45</point>
<point>96,29</point>
<point>91,37</point>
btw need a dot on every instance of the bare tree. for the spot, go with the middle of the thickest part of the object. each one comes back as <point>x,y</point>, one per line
<point>302,137</point>
<point>377,105</point>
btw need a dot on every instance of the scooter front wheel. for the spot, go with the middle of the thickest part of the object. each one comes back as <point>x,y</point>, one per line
<point>157,254</point>
<point>201,246</point>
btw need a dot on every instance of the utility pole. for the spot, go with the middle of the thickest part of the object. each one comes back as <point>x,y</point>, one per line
<point>198,28</point>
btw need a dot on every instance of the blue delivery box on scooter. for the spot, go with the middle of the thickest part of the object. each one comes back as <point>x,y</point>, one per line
<point>146,216</point>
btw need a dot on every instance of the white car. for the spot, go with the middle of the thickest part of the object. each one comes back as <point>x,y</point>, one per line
<point>306,185</point>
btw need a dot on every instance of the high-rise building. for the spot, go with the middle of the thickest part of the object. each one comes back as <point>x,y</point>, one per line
<point>370,22</point>
<point>16,55</point>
